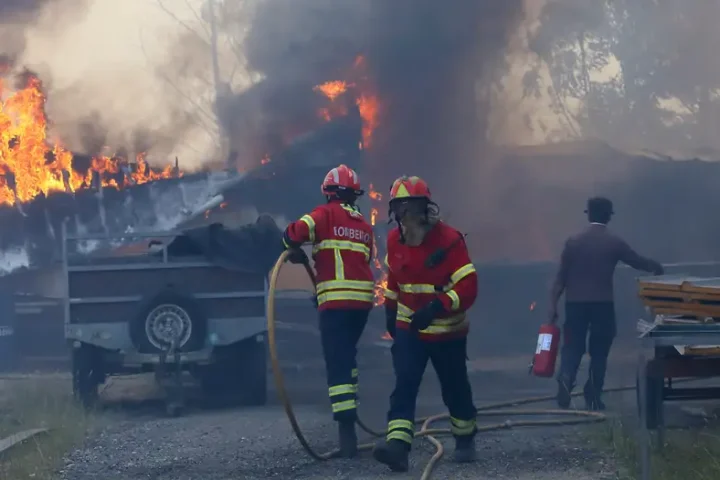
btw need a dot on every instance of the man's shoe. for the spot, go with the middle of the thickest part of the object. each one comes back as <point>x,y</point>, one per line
<point>393,453</point>
<point>348,439</point>
<point>464,450</point>
<point>564,393</point>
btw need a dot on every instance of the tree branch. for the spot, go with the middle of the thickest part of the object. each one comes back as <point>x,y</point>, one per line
<point>180,22</point>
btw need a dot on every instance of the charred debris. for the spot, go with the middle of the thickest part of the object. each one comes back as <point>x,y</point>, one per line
<point>283,184</point>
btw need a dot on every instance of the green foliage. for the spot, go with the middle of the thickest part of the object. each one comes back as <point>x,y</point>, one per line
<point>622,60</point>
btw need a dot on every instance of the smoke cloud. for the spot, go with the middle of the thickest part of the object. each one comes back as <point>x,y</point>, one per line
<point>138,73</point>
<point>116,74</point>
<point>426,59</point>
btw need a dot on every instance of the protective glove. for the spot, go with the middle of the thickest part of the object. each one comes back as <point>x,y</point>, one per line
<point>390,318</point>
<point>314,301</point>
<point>298,256</point>
<point>422,319</point>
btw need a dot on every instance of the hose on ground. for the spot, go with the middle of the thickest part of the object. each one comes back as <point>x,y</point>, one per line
<point>493,410</point>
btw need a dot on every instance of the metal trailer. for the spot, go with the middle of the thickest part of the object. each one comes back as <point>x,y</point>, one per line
<point>655,377</point>
<point>145,313</point>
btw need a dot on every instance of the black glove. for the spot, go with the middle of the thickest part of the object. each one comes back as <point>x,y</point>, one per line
<point>390,318</point>
<point>314,301</point>
<point>298,256</point>
<point>422,319</point>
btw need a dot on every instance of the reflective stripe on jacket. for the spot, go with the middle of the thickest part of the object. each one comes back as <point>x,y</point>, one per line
<point>342,244</point>
<point>412,284</point>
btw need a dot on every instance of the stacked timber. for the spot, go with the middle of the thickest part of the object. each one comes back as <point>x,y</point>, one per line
<point>682,298</point>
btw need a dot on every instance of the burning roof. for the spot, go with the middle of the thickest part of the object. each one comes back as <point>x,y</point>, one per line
<point>31,164</point>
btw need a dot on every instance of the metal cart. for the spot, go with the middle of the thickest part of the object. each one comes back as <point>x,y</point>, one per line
<point>655,376</point>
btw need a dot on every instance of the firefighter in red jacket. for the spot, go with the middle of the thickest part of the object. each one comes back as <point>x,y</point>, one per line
<point>342,244</point>
<point>431,285</point>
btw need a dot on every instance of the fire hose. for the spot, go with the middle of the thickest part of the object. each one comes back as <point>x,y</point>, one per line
<point>425,431</point>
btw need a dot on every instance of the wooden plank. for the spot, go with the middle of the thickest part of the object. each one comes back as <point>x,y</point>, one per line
<point>681,295</point>
<point>707,285</point>
<point>686,312</point>
<point>687,308</point>
<point>665,282</point>
<point>17,438</point>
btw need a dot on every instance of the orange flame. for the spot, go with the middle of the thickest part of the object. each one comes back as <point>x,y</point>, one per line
<point>367,102</point>
<point>30,165</point>
<point>368,105</point>
<point>333,89</point>
<point>382,282</point>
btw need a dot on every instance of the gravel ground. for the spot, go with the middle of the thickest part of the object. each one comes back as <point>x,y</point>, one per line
<point>258,443</point>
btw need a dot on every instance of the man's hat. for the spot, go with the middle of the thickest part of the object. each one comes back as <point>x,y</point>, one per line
<point>599,205</point>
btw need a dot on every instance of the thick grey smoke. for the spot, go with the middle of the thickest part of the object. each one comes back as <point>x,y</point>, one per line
<point>425,59</point>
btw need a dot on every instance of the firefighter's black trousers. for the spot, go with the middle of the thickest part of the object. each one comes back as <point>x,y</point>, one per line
<point>410,356</point>
<point>340,331</point>
<point>581,318</point>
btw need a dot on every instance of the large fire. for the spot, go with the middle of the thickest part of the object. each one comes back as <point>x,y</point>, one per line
<point>31,165</point>
<point>366,101</point>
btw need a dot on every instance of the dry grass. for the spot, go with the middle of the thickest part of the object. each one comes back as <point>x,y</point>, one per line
<point>688,454</point>
<point>40,403</point>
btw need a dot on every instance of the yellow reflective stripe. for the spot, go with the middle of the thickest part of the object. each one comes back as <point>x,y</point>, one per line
<point>454,298</point>
<point>346,285</point>
<point>444,325</point>
<point>343,406</point>
<point>400,429</point>
<point>345,295</point>
<point>462,427</point>
<point>308,220</point>
<point>339,265</point>
<point>416,288</point>
<point>462,272</point>
<point>400,423</point>
<point>342,389</point>
<point>354,373</point>
<point>404,311</point>
<point>449,321</point>
<point>342,245</point>
<point>386,261</point>
<point>389,294</point>
<point>285,243</point>
<point>399,435</point>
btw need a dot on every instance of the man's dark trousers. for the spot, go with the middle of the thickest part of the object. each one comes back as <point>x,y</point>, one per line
<point>448,357</point>
<point>340,331</point>
<point>581,318</point>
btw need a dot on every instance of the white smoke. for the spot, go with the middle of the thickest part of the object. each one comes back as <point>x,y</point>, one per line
<point>124,69</point>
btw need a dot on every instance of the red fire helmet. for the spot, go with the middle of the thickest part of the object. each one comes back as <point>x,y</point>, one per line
<point>407,188</point>
<point>341,178</point>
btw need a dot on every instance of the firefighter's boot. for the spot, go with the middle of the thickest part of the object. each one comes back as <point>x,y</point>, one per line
<point>348,439</point>
<point>393,453</point>
<point>464,449</point>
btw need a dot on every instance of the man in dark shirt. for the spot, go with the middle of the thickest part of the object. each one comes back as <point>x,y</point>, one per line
<point>585,276</point>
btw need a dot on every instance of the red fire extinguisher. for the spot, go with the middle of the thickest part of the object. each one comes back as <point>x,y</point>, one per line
<point>543,364</point>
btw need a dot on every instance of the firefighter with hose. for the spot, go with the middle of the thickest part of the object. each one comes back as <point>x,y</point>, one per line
<point>431,285</point>
<point>342,249</point>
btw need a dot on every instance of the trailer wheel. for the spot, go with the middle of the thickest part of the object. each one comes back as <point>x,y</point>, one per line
<point>87,375</point>
<point>239,374</point>
<point>166,316</point>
